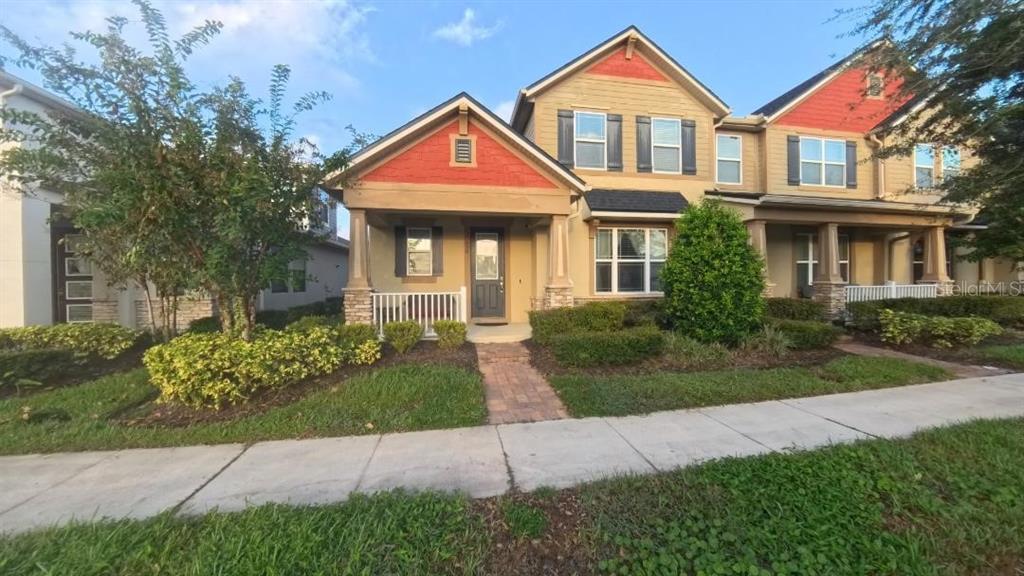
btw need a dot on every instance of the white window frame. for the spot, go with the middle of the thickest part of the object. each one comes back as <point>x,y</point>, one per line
<point>678,146</point>
<point>942,163</point>
<point>67,289</point>
<point>930,168</point>
<point>576,138</point>
<point>812,256</point>
<point>430,236</point>
<point>614,260</point>
<point>822,163</point>
<point>738,159</point>
<point>69,306</point>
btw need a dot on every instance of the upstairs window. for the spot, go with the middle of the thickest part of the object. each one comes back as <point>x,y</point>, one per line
<point>666,145</point>
<point>822,162</point>
<point>924,166</point>
<point>950,162</point>
<point>419,252</point>
<point>730,159</point>
<point>590,140</point>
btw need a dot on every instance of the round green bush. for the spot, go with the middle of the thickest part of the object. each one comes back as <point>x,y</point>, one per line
<point>713,278</point>
<point>402,336</point>
<point>450,334</point>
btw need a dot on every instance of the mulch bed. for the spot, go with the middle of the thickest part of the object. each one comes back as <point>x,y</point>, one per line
<point>175,415</point>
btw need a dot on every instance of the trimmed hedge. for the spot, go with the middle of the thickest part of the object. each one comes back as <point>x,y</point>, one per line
<point>99,340</point>
<point>626,346</point>
<point>938,331</point>
<point>591,317</point>
<point>35,365</point>
<point>1004,310</point>
<point>402,336</point>
<point>808,334</point>
<point>794,309</point>
<point>450,334</point>
<point>647,312</point>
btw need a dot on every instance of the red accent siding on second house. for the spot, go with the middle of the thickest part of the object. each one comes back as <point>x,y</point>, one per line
<point>427,162</point>
<point>617,65</point>
<point>842,105</point>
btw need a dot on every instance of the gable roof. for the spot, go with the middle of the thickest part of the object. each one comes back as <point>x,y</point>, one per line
<point>438,113</point>
<point>782,103</point>
<point>903,112</point>
<point>523,107</point>
<point>603,200</point>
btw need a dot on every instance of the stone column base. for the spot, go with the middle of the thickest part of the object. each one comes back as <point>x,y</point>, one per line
<point>358,305</point>
<point>769,290</point>
<point>558,297</point>
<point>833,296</point>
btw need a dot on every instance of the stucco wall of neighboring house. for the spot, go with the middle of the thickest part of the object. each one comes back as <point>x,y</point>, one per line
<point>327,274</point>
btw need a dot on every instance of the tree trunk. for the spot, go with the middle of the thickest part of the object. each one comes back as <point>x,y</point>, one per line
<point>149,305</point>
<point>226,312</point>
<point>248,317</point>
<point>174,315</point>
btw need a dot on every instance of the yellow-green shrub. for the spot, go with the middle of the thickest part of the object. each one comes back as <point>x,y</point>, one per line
<point>450,334</point>
<point>938,331</point>
<point>100,340</point>
<point>403,335</point>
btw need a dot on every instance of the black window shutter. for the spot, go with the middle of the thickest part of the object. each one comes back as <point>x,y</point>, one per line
<point>437,249</point>
<point>851,164</point>
<point>614,129</point>
<point>793,160</point>
<point>400,254</point>
<point>643,143</point>
<point>689,140</point>
<point>565,138</point>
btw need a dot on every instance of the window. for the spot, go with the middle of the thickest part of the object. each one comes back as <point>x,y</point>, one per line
<point>278,286</point>
<point>77,313</point>
<point>298,276</point>
<point>78,289</point>
<point>924,166</point>
<point>918,260</point>
<point>822,162</point>
<point>77,266</point>
<point>419,253</point>
<point>950,162</point>
<point>730,159</point>
<point>666,145</point>
<point>807,260</point>
<point>875,85</point>
<point>629,259</point>
<point>590,140</point>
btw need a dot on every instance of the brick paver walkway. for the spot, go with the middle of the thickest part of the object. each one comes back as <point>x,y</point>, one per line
<point>515,391</point>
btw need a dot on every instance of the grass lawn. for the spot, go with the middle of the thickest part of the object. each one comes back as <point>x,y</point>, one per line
<point>944,502</point>
<point>1010,355</point>
<point>619,395</point>
<point>390,399</point>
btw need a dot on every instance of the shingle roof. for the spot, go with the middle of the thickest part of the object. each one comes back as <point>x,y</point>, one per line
<point>635,201</point>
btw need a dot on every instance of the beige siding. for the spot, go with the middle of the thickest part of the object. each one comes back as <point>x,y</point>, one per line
<point>777,173</point>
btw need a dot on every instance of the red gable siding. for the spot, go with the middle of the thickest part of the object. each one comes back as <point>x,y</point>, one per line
<point>842,105</point>
<point>427,162</point>
<point>617,65</point>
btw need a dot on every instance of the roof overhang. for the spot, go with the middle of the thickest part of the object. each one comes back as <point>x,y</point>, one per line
<point>632,205</point>
<point>822,203</point>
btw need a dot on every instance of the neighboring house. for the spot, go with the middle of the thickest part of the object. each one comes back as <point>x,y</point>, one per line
<point>458,214</point>
<point>43,280</point>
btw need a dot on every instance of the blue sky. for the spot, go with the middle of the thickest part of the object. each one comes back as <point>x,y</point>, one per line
<point>386,62</point>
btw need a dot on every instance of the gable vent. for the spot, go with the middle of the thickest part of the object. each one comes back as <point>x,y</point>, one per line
<point>463,150</point>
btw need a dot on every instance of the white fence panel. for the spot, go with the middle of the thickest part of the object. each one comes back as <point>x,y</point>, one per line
<point>422,307</point>
<point>889,291</point>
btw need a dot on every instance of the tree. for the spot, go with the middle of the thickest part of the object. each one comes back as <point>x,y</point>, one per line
<point>965,60</point>
<point>713,278</point>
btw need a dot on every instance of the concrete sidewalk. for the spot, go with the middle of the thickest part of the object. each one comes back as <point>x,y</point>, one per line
<point>42,490</point>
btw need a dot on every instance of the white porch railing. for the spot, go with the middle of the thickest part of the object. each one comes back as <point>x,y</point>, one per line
<point>422,307</point>
<point>889,291</point>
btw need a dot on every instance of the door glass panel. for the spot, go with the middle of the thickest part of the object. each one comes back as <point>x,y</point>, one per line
<point>72,243</point>
<point>77,266</point>
<point>486,256</point>
<point>78,289</point>
<point>79,312</point>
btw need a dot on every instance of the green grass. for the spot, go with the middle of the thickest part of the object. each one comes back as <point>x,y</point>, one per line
<point>944,502</point>
<point>392,399</point>
<point>523,520</point>
<point>1010,355</point>
<point>642,393</point>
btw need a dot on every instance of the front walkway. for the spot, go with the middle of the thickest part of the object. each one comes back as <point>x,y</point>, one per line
<point>41,490</point>
<point>515,391</point>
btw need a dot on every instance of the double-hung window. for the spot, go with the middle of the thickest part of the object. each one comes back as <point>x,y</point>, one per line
<point>950,162</point>
<point>591,140</point>
<point>924,166</point>
<point>807,259</point>
<point>666,145</point>
<point>629,260</point>
<point>822,162</point>
<point>730,159</point>
<point>419,252</point>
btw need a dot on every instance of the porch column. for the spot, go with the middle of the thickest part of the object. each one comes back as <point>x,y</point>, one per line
<point>357,297</point>
<point>759,240</point>
<point>829,287</point>
<point>558,291</point>
<point>935,261</point>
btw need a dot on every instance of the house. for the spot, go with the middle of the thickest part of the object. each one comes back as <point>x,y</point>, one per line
<point>44,280</point>
<point>460,214</point>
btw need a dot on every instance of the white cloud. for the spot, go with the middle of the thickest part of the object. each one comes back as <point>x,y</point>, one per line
<point>504,109</point>
<point>466,31</point>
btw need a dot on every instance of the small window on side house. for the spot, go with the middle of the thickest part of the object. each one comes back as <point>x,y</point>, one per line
<point>950,162</point>
<point>924,166</point>
<point>666,145</point>
<point>298,276</point>
<point>730,159</point>
<point>419,252</point>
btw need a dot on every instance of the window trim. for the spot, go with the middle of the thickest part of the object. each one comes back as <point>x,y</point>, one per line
<point>69,306</point>
<point>679,146</point>
<point>942,163</point>
<point>812,256</point>
<point>718,158</point>
<point>822,163</point>
<point>430,235</point>
<point>614,260</point>
<point>576,139</point>
<point>923,166</point>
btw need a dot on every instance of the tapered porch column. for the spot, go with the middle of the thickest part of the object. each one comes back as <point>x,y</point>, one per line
<point>759,240</point>
<point>558,290</point>
<point>935,261</point>
<point>829,287</point>
<point>358,299</point>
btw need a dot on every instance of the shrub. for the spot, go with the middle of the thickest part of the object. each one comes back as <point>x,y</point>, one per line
<point>356,334</point>
<point>204,325</point>
<point>590,317</point>
<point>713,278</point>
<point>450,334</point>
<point>647,312</point>
<point>693,354</point>
<point>106,341</point>
<point>402,336</point>
<point>938,331</point>
<point>273,319</point>
<point>1005,310</point>
<point>794,309</point>
<point>330,307</point>
<point>808,334</point>
<point>771,340</point>
<point>626,346</point>
<point>35,366</point>
<point>307,322</point>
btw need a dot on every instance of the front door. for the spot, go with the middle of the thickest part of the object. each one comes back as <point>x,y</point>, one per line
<point>73,279</point>
<point>487,267</point>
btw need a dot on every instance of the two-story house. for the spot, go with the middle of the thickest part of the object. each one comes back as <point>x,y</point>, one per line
<point>459,214</point>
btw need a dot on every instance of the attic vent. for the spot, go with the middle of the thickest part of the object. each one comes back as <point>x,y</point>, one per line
<point>463,151</point>
<point>875,85</point>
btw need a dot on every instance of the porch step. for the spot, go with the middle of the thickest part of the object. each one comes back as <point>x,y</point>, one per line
<point>502,334</point>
